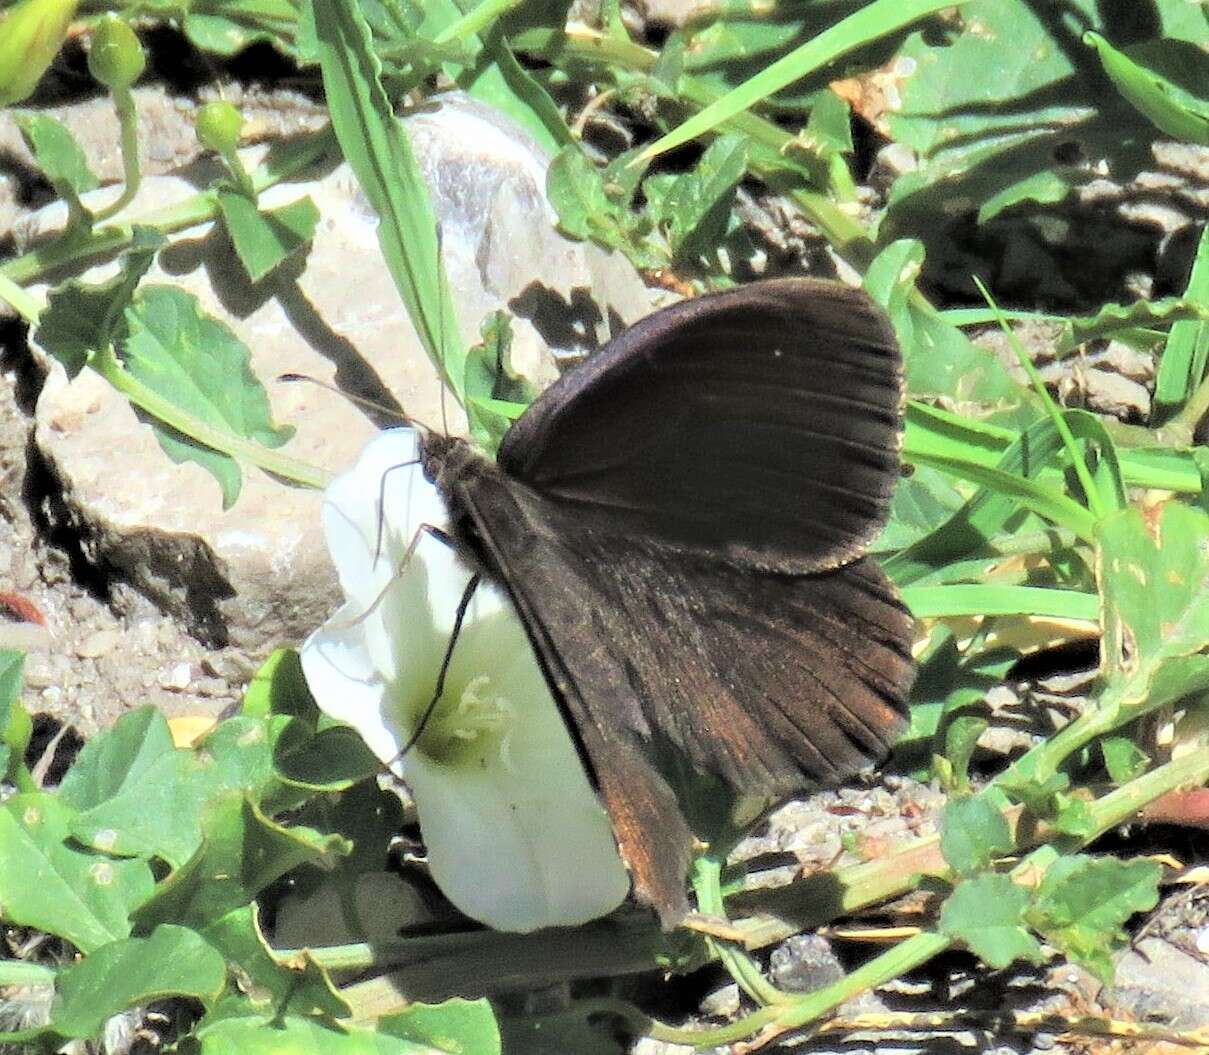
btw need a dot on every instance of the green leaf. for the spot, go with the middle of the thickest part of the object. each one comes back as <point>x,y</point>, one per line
<point>81,319</point>
<point>1182,365</point>
<point>232,26</point>
<point>48,883</point>
<point>1152,565</point>
<point>922,502</point>
<point>295,1035</point>
<point>117,759</point>
<point>867,24</point>
<point>296,984</point>
<point>279,687</point>
<point>198,364</point>
<point>378,150</point>
<point>988,99</point>
<point>1039,797</point>
<point>576,189</point>
<point>58,156</point>
<point>1181,113</point>
<point>491,381</point>
<point>171,961</point>
<point>973,831</point>
<point>829,127</point>
<point>241,852</point>
<point>987,914</point>
<point>263,240</point>
<point>458,1027</point>
<point>947,681</point>
<point>140,795</point>
<point>698,203</point>
<point>939,359</point>
<point>1083,903</point>
<point>1123,759</point>
<point>15,725</point>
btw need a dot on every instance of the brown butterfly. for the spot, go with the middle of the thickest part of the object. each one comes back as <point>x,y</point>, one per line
<point>680,524</point>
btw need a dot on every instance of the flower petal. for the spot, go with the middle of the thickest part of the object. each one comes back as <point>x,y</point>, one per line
<point>517,838</point>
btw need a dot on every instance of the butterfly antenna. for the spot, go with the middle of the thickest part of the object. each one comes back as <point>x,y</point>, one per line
<point>369,404</point>
<point>463,606</point>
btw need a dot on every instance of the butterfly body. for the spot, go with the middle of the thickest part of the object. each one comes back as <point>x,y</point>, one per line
<point>679,525</point>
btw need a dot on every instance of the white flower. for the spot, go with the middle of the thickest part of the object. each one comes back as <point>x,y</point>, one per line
<point>516,836</point>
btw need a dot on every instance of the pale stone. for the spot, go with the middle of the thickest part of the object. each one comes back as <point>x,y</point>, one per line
<point>258,575</point>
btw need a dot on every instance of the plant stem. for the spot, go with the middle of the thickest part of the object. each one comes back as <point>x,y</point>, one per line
<point>123,100</point>
<point>284,162</point>
<point>107,365</point>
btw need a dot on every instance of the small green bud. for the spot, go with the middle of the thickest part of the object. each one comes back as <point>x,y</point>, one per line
<point>116,57</point>
<point>31,33</point>
<point>218,126</point>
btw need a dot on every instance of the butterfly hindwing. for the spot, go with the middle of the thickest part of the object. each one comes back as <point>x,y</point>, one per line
<point>768,682</point>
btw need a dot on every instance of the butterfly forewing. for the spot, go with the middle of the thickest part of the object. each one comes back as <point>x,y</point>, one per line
<point>759,424</point>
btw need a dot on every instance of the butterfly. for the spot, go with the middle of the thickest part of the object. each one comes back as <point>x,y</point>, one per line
<point>680,523</point>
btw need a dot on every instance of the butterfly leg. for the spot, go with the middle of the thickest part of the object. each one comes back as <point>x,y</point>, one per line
<point>459,618</point>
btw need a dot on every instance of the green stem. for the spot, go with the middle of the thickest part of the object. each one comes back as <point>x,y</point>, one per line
<point>283,163</point>
<point>475,21</point>
<point>128,122</point>
<point>707,875</point>
<point>106,364</point>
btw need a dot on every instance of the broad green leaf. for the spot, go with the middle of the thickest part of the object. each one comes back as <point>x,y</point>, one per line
<point>698,203</point>
<point>59,156</point>
<point>990,98</point>
<point>1179,112</point>
<point>973,831</point>
<point>141,796</point>
<point>263,240</point>
<point>987,913</point>
<point>241,852</point>
<point>829,128</point>
<point>80,319</point>
<point>1152,566</point>
<point>939,359</point>
<point>330,759</point>
<point>295,1035</point>
<point>278,985</point>
<point>171,961</point>
<point>232,25</point>
<point>1083,903</point>
<point>279,687</point>
<point>867,24</point>
<point>922,502</point>
<point>456,1027</point>
<point>199,365</point>
<point>380,154</point>
<point>47,882</point>
<point>577,191</point>
<point>117,759</point>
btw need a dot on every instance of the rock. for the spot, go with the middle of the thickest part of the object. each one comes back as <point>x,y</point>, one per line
<point>1155,981</point>
<point>257,576</point>
<point>804,963</point>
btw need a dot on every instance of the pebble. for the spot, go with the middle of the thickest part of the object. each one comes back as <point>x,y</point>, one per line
<point>97,644</point>
<point>178,678</point>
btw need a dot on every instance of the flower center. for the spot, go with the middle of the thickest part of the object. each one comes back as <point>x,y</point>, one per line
<point>471,725</point>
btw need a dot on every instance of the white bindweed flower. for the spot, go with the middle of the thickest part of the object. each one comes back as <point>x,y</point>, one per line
<point>516,835</point>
